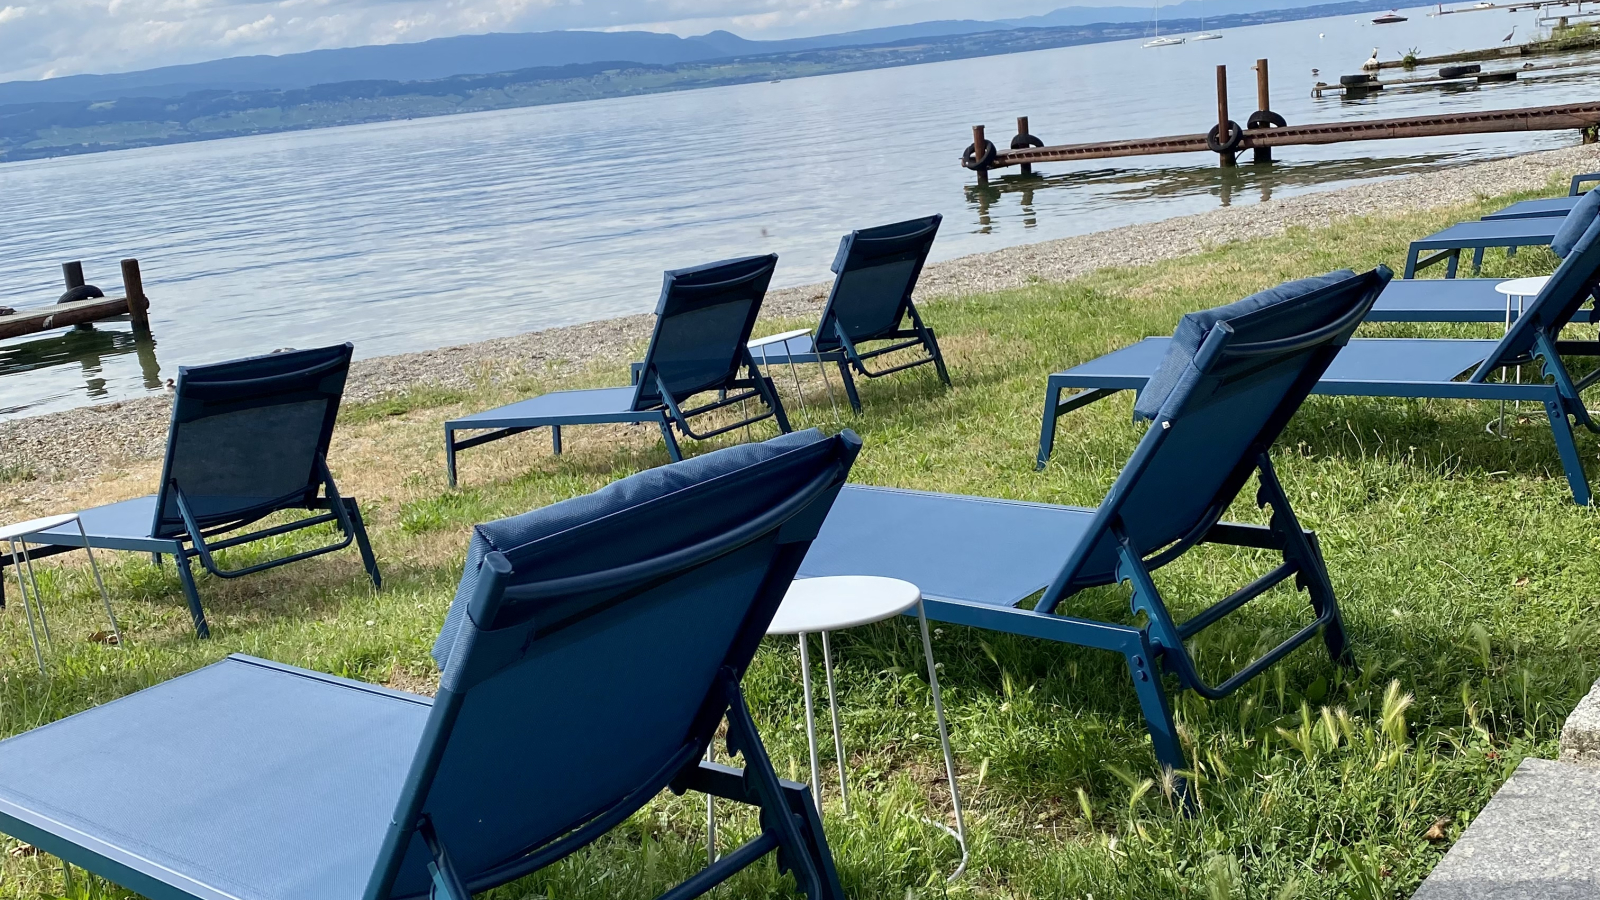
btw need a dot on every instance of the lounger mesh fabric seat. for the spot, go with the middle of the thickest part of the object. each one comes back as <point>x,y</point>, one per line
<point>1559,232</point>
<point>1231,379</point>
<point>591,653</point>
<point>875,273</point>
<point>1451,300</point>
<point>703,322</point>
<point>1436,368</point>
<point>1550,206</point>
<point>249,439</point>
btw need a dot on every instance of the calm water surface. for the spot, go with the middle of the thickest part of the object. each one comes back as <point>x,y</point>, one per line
<point>412,235</point>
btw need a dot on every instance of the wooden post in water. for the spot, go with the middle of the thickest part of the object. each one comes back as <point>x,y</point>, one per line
<point>72,274</point>
<point>1222,116</point>
<point>977,153</point>
<point>133,286</point>
<point>1022,128</point>
<point>1264,104</point>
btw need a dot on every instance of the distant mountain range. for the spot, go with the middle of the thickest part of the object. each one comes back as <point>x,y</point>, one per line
<point>114,112</point>
<point>480,54</point>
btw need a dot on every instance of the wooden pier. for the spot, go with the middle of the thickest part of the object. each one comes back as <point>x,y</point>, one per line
<point>133,304</point>
<point>1266,130</point>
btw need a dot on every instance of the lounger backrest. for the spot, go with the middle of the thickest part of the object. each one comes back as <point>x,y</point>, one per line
<point>876,269</point>
<point>1231,380</point>
<point>250,436</point>
<point>703,323</point>
<point>1567,290</point>
<point>579,656</point>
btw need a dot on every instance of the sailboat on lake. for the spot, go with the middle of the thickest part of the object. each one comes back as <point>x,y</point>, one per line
<point>1205,35</point>
<point>1159,40</point>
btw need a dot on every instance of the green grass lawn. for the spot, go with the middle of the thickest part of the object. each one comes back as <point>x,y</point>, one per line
<point>1467,577</point>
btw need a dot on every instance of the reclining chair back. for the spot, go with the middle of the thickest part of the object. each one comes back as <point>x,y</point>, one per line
<point>1230,383</point>
<point>1563,295</point>
<point>876,269</point>
<point>582,655</point>
<point>703,323</point>
<point>250,437</point>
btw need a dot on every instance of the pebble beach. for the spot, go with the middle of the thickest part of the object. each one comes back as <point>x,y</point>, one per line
<point>91,439</point>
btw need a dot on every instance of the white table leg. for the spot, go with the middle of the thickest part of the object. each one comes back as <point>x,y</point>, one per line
<point>711,818</point>
<point>823,368</point>
<point>944,741</point>
<point>833,710</point>
<point>105,598</point>
<point>811,722</point>
<point>38,598</point>
<point>27,608</point>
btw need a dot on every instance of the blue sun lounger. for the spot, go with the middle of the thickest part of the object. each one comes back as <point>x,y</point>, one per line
<point>1455,300</point>
<point>249,438</point>
<point>1405,367</point>
<point>703,322</point>
<point>875,272</point>
<point>593,649</point>
<point>1559,232</point>
<point>1230,380</point>
<point>1547,206</point>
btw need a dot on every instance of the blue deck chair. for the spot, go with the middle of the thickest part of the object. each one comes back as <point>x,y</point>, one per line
<point>1232,379</point>
<point>249,439</point>
<point>1412,367</point>
<point>1559,232</point>
<point>1548,206</point>
<point>592,650</point>
<point>703,322</point>
<point>875,272</point>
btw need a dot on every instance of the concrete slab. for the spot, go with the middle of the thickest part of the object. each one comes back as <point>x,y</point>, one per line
<point>1580,737</point>
<point>1538,839</point>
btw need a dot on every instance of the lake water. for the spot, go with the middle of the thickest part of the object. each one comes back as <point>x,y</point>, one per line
<point>412,235</point>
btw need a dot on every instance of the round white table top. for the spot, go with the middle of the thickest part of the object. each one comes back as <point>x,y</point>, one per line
<point>34,526</point>
<point>778,338</point>
<point>1522,287</point>
<point>841,601</point>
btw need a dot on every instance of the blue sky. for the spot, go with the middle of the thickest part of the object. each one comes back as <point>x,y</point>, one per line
<point>47,38</point>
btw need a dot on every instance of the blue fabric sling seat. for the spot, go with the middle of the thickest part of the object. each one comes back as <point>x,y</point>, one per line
<point>1457,300</point>
<point>875,273</point>
<point>1549,206</point>
<point>1229,381</point>
<point>1413,367</point>
<point>593,649</point>
<point>1559,232</point>
<point>703,322</point>
<point>249,439</point>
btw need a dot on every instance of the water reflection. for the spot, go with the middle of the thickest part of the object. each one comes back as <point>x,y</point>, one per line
<point>1247,182</point>
<point>95,362</point>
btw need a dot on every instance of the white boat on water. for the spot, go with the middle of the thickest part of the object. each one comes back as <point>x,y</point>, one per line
<point>1205,35</point>
<point>1159,40</point>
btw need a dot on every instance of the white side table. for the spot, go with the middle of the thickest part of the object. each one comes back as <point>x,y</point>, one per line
<point>821,605</point>
<point>16,538</point>
<point>1519,289</point>
<point>762,344</point>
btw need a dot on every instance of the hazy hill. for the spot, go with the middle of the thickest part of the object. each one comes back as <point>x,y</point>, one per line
<point>478,54</point>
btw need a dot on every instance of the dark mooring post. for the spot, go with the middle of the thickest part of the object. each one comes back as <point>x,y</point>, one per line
<point>1224,126</point>
<point>1264,104</point>
<point>133,286</point>
<point>1022,129</point>
<point>977,153</point>
<point>72,274</point>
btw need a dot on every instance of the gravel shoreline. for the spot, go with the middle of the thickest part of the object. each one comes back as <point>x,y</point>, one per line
<point>83,442</point>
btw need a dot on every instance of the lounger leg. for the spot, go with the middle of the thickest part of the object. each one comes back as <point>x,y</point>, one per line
<point>1047,424</point>
<point>192,595</point>
<point>1411,262</point>
<point>816,845</point>
<point>363,544</point>
<point>1561,430</point>
<point>1157,710</point>
<point>770,392</point>
<point>672,443</point>
<point>797,851</point>
<point>555,439</point>
<point>450,456</point>
<point>1452,264</point>
<point>1477,258</point>
<point>938,358</point>
<point>849,385</point>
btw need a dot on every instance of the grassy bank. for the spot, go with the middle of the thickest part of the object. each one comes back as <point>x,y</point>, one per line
<point>1467,577</point>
